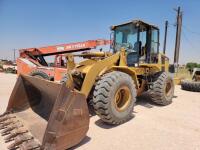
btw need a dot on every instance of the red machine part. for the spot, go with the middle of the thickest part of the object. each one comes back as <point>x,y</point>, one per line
<point>65,48</point>
<point>32,59</point>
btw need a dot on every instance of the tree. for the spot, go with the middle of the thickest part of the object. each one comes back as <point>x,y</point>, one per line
<point>192,65</point>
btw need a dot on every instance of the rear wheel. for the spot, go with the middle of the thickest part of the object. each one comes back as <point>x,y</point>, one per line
<point>40,74</point>
<point>114,97</point>
<point>162,90</point>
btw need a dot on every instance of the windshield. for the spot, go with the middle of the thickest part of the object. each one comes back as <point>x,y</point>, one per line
<point>126,36</point>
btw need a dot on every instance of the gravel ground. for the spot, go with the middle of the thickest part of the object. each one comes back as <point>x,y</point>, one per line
<point>173,127</point>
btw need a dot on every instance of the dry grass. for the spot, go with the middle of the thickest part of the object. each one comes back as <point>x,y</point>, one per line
<point>183,74</point>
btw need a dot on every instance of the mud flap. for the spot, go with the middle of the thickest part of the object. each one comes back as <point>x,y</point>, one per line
<point>44,115</point>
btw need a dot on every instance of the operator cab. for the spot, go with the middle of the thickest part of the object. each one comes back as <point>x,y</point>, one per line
<point>140,39</point>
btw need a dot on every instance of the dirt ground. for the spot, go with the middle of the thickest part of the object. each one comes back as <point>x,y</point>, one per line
<point>173,127</point>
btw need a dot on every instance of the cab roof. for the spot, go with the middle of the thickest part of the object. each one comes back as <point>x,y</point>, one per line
<point>135,22</point>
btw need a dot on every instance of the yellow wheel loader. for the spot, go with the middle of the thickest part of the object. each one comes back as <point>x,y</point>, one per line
<point>51,116</point>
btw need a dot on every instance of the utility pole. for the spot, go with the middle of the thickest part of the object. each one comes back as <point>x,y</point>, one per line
<point>178,38</point>
<point>14,55</point>
<point>165,39</point>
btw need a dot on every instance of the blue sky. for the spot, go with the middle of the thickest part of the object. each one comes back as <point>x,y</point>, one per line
<point>35,23</point>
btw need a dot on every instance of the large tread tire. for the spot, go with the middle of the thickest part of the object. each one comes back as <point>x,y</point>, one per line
<point>158,90</point>
<point>40,74</point>
<point>89,99</point>
<point>104,97</point>
<point>190,85</point>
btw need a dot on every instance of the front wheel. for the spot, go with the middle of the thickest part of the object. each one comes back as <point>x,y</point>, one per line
<point>114,97</point>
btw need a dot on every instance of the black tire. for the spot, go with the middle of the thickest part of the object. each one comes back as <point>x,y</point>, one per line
<point>89,99</point>
<point>104,97</point>
<point>190,85</point>
<point>162,90</point>
<point>64,79</point>
<point>40,74</point>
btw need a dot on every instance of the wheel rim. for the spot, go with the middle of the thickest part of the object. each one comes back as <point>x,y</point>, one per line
<point>122,98</point>
<point>168,88</point>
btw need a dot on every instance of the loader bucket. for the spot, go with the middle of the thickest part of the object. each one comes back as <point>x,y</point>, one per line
<point>44,115</point>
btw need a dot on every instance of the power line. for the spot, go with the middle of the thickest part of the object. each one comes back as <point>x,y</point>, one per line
<point>188,29</point>
<point>187,39</point>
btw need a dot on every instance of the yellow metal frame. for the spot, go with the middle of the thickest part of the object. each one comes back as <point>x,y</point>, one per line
<point>92,71</point>
<point>94,67</point>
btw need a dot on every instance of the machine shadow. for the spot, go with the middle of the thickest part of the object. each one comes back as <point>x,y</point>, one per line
<point>84,141</point>
<point>104,125</point>
<point>143,100</point>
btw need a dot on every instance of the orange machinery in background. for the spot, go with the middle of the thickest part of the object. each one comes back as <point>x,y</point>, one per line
<point>31,61</point>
